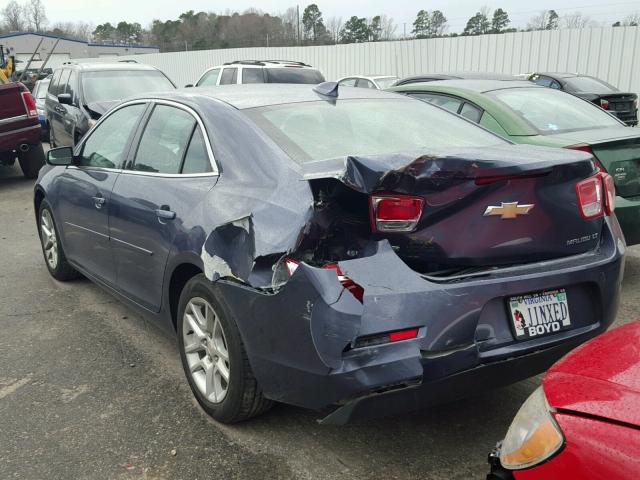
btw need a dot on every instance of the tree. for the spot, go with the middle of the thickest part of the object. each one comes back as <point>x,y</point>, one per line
<point>499,21</point>
<point>312,23</point>
<point>546,20</point>
<point>632,20</point>
<point>429,25</point>
<point>14,16</point>
<point>105,33</point>
<point>37,15</point>
<point>355,30</point>
<point>375,29</point>
<point>334,26</point>
<point>479,24</point>
<point>389,28</point>
<point>129,32</point>
<point>575,20</point>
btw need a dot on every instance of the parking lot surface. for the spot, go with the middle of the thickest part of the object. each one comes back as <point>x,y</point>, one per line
<point>88,389</point>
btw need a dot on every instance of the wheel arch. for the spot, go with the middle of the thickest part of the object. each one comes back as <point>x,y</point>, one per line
<point>38,196</point>
<point>180,275</point>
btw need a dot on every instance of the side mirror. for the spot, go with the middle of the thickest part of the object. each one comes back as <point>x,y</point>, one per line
<point>65,99</point>
<point>188,85</point>
<point>62,156</point>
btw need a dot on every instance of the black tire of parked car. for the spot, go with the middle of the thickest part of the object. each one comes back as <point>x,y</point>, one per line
<point>32,161</point>
<point>52,141</point>
<point>244,398</point>
<point>63,271</point>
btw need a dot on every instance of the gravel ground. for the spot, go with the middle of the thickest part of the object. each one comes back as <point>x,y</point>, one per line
<point>88,389</point>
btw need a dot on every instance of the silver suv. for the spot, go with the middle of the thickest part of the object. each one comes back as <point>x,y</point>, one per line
<point>260,71</point>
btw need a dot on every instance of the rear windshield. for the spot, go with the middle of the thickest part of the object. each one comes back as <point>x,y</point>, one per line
<point>293,75</point>
<point>109,85</point>
<point>316,131</point>
<point>589,85</point>
<point>551,111</point>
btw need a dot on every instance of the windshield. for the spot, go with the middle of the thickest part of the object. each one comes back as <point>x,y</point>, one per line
<point>109,85</point>
<point>386,82</point>
<point>294,75</point>
<point>551,111</point>
<point>588,85</point>
<point>315,131</point>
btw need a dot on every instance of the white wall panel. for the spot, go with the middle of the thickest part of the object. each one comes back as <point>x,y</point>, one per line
<point>606,52</point>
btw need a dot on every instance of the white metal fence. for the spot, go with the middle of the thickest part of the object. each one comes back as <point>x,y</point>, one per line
<point>609,53</point>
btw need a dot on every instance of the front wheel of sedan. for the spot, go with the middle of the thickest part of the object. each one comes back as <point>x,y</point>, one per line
<point>213,356</point>
<point>54,256</point>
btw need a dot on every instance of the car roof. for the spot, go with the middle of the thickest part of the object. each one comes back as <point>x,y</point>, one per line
<point>265,94</point>
<point>462,75</point>
<point>560,74</point>
<point>479,86</point>
<point>108,66</point>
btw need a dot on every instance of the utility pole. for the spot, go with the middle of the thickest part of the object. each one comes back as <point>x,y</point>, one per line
<point>405,31</point>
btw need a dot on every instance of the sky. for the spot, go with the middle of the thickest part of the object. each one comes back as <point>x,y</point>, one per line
<point>402,11</point>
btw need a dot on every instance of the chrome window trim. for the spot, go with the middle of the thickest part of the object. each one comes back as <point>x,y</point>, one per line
<point>154,101</point>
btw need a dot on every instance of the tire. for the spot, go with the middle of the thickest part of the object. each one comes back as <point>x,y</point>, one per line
<point>243,397</point>
<point>32,161</point>
<point>52,140</point>
<point>60,269</point>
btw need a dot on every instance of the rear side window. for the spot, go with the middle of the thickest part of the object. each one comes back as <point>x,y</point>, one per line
<point>196,160</point>
<point>164,141</point>
<point>106,144</point>
<point>294,75</point>
<point>363,83</point>
<point>349,82</point>
<point>471,112</point>
<point>64,80</point>
<point>210,78</point>
<point>72,84</point>
<point>229,76</point>
<point>252,75</point>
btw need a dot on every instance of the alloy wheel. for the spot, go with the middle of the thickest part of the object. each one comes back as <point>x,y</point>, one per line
<point>206,351</point>
<point>49,239</point>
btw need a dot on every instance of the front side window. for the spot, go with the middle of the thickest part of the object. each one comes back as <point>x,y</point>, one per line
<point>107,142</point>
<point>552,111</point>
<point>316,131</point>
<point>112,85</point>
<point>349,82</point>
<point>164,141</point>
<point>364,83</point>
<point>209,79</point>
<point>53,86</point>
<point>471,112</point>
<point>444,101</point>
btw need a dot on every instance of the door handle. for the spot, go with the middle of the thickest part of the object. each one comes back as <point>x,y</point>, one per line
<point>98,201</point>
<point>165,214</point>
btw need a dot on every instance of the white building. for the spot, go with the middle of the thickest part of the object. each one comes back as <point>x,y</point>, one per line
<point>23,44</point>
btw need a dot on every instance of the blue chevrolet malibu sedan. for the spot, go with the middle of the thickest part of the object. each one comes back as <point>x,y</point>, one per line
<point>347,250</point>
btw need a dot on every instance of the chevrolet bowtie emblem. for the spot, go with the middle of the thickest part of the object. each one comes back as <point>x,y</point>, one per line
<point>508,210</point>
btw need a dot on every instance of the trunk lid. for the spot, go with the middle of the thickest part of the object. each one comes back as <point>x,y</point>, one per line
<point>460,187</point>
<point>618,149</point>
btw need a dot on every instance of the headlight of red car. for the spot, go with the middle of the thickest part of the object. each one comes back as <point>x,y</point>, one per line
<point>533,436</point>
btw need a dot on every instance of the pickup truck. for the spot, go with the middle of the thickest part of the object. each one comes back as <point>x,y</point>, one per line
<point>20,129</point>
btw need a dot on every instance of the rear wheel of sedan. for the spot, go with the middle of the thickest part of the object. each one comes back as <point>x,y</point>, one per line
<point>54,256</point>
<point>214,358</point>
<point>32,161</point>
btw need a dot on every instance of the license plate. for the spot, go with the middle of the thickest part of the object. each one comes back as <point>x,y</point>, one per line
<point>539,314</point>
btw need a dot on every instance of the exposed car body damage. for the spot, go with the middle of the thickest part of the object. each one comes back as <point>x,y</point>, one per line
<point>280,243</point>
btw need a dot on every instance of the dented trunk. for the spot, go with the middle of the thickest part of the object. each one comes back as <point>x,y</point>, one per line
<point>479,208</point>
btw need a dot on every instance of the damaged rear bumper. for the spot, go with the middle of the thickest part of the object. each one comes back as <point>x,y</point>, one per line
<point>300,340</point>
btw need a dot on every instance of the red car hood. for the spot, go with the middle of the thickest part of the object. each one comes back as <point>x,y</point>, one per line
<point>601,377</point>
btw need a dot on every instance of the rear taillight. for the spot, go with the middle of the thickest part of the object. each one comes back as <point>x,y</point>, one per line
<point>395,213</point>
<point>609,193</point>
<point>29,104</point>
<point>590,197</point>
<point>583,147</point>
<point>604,103</point>
<point>355,289</point>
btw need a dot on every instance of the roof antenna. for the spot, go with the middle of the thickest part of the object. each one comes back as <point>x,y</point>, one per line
<point>327,89</point>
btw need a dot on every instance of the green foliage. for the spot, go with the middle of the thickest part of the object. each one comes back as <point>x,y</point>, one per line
<point>355,30</point>
<point>429,25</point>
<point>477,25</point>
<point>499,21</point>
<point>313,24</point>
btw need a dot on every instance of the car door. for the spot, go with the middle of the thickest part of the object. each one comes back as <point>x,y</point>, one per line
<point>167,176</point>
<point>54,109</point>
<point>84,192</point>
